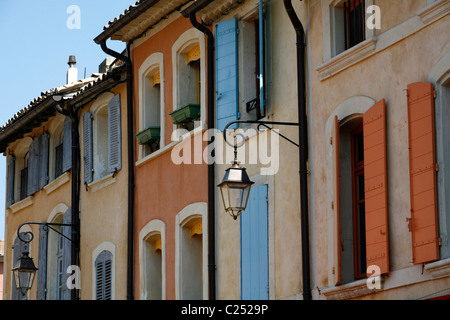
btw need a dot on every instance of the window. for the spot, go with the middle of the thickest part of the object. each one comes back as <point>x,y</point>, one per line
<point>60,149</point>
<point>188,80</point>
<point>191,254</point>
<point>59,152</point>
<point>347,19</point>
<point>24,178</point>
<point>102,145</point>
<point>360,194</point>
<point>103,276</point>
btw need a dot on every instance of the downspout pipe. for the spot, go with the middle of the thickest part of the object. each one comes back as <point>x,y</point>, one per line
<point>75,190</point>
<point>131,173</point>
<point>303,153</point>
<point>190,13</point>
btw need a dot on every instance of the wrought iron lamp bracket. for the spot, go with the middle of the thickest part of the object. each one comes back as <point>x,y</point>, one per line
<point>47,225</point>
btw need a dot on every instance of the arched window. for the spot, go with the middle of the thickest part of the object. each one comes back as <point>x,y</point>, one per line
<point>103,272</point>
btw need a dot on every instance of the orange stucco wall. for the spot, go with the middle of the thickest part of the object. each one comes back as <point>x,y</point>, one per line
<point>163,189</point>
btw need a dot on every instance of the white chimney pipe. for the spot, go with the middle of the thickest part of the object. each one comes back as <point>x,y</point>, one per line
<point>72,73</point>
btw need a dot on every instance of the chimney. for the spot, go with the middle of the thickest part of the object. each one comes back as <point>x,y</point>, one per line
<point>72,73</point>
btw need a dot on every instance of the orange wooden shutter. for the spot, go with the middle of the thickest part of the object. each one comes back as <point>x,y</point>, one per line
<point>337,201</point>
<point>375,182</point>
<point>422,165</point>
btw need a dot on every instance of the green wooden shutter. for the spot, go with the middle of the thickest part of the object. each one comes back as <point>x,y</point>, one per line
<point>114,135</point>
<point>10,180</point>
<point>87,147</point>
<point>67,145</point>
<point>103,276</point>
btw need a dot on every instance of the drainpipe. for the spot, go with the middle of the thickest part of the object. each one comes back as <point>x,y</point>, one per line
<point>130,143</point>
<point>75,189</point>
<point>190,13</point>
<point>303,138</point>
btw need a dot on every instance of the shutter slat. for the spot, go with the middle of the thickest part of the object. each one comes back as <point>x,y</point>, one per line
<point>422,165</point>
<point>226,73</point>
<point>114,133</point>
<point>67,145</point>
<point>337,202</point>
<point>375,182</point>
<point>87,147</point>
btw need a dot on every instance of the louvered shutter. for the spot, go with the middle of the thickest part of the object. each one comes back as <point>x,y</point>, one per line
<point>114,134</point>
<point>226,73</point>
<point>422,165</point>
<point>33,166</point>
<point>10,180</point>
<point>66,254</point>
<point>103,274</point>
<point>337,201</point>
<point>67,145</point>
<point>43,159</point>
<point>375,182</point>
<point>42,263</point>
<point>254,246</point>
<point>87,147</point>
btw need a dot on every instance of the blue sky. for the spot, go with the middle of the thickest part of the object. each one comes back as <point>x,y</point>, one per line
<point>36,45</point>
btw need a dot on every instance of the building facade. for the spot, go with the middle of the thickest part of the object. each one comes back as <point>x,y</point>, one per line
<point>366,217</point>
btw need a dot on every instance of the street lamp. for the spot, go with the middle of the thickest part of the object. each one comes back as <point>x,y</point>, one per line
<point>235,189</point>
<point>24,273</point>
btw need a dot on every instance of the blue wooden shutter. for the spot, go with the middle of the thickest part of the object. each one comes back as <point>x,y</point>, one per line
<point>42,264</point>
<point>43,159</point>
<point>10,180</point>
<point>33,166</point>
<point>114,135</point>
<point>87,147</point>
<point>255,246</point>
<point>226,73</point>
<point>67,254</point>
<point>67,145</point>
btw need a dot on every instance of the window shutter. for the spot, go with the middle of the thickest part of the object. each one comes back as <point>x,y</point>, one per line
<point>103,271</point>
<point>114,134</point>
<point>87,147</point>
<point>42,263</point>
<point>10,180</point>
<point>422,166</point>
<point>226,73</point>
<point>375,182</point>
<point>254,246</point>
<point>337,202</point>
<point>67,145</point>
<point>66,254</point>
<point>43,159</point>
<point>33,166</point>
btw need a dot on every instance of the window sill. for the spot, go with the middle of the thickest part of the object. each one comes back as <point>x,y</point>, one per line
<point>350,290</point>
<point>22,204</point>
<point>439,268</point>
<point>102,183</point>
<point>347,59</point>
<point>434,11</point>
<point>58,182</point>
